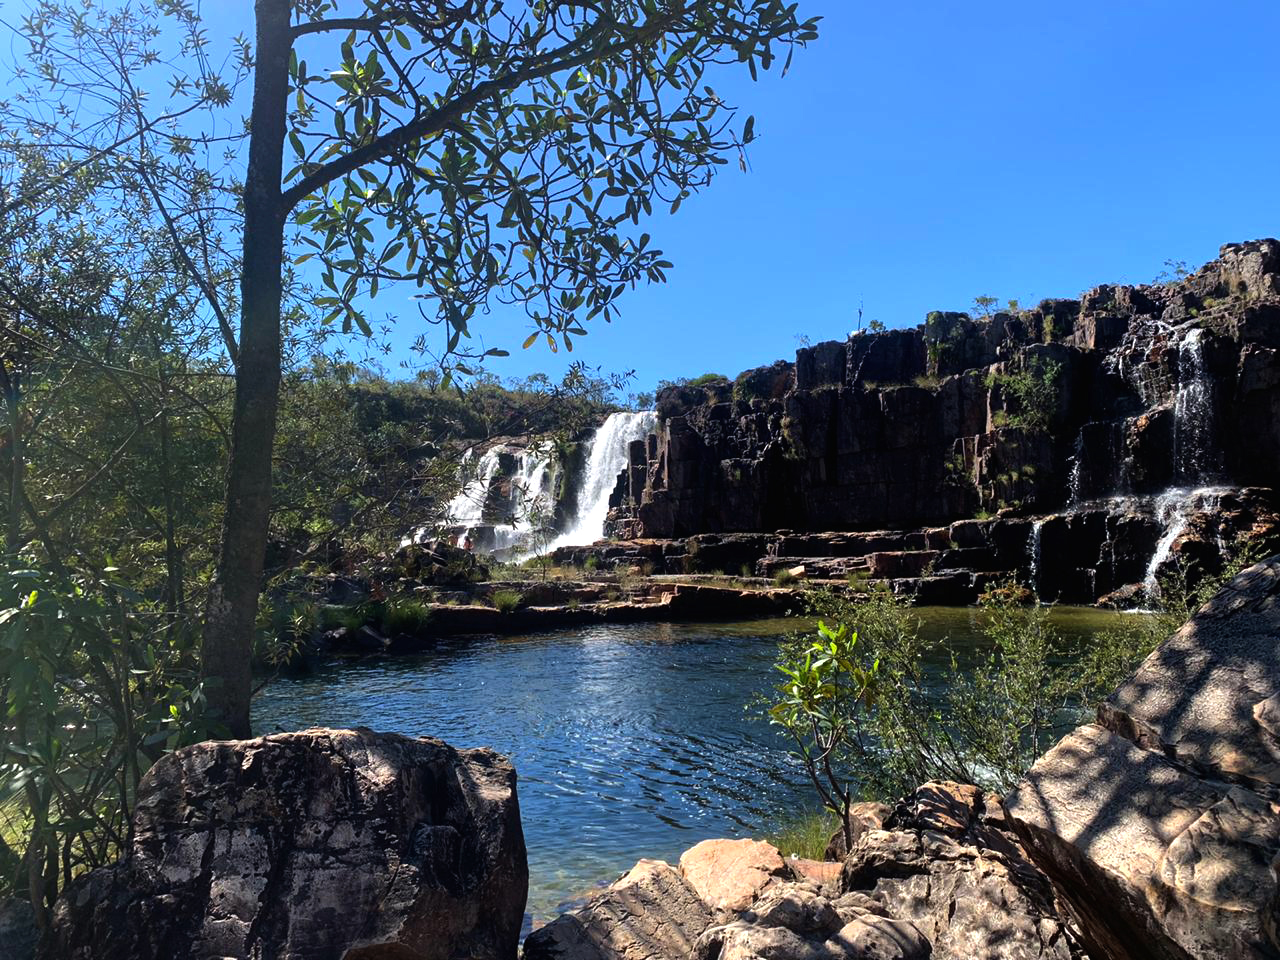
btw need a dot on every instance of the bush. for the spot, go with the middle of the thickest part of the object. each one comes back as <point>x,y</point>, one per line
<point>405,616</point>
<point>785,578</point>
<point>97,684</point>
<point>506,601</point>
<point>706,379</point>
<point>865,713</point>
<point>1034,392</point>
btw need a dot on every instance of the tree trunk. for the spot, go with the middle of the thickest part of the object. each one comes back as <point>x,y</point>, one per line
<point>233,598</point>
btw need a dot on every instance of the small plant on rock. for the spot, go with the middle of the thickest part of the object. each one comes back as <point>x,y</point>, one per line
<point>506,601</point>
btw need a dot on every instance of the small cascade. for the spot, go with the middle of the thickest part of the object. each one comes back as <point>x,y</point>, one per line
<point>510,518</point>
<point>1074,483</point>
<point>607,457</point>
<point>1193,412</point>
<point>1033,553</point>
<point>1174,510</point>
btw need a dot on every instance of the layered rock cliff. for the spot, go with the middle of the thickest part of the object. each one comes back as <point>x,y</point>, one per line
<point>1128,414</point>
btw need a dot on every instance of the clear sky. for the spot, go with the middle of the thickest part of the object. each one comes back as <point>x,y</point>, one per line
<point>921,154</point>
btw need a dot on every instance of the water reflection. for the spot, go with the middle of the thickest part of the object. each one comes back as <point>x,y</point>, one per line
<point>630,741</point>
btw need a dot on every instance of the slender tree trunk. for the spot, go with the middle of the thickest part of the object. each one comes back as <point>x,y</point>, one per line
<point>233,599</point>
<point>12,398</point>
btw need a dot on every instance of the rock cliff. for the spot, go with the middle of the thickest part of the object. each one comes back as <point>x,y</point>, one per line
<point>1117,419</point>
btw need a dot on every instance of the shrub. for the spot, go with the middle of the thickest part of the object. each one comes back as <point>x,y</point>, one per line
<point>707,378</point>
<point>405,616</point>
<point>1034,392</point>
<point>97,684</point>
<point>863,710</point>
<point>785,578</point>
<point>506,601</point>
<point>591,563</point>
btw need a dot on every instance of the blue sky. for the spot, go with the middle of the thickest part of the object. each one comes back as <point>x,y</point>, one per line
<point>919,155</point>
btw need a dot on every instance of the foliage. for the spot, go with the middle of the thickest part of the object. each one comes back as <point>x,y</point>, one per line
<point>818,705</point>
<point>877,326</point>
<point>506,601</point>
<point>1033,389</point>
<point>784,578</point>
<point>411,617</point>
<point>805,836</point>
<point>891,712</point>
<point>96,684</point>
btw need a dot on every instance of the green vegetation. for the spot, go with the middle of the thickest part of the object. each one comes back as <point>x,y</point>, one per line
<point>805,836</point>
<point>706,379</point>
<point>506,601</point>
<point>411,617</point>
<point>1033,391</point>
<point>785,578</point>
<point>868,719</point>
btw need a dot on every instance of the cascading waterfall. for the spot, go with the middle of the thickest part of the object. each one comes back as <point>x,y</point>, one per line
<point>527,504</point>
<point>607,457</point>
<point>1192,410</point>
<point>1174,510</point>
<point>1033,552</point>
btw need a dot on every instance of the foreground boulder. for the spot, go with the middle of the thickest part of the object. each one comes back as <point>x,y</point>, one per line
<point>1159,825</point>
<point>946,863</point>
<point>319,845</point>
<point>939,877</point>
<point>652,913</point>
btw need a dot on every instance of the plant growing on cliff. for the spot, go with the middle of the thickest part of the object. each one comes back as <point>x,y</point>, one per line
<point>1033,391</point>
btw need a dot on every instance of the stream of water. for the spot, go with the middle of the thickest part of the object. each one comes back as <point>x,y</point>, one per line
<point>629,741</point>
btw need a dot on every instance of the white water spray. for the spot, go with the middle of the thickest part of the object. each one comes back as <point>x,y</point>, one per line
<point>607,457</point>
<point>1174,510</point>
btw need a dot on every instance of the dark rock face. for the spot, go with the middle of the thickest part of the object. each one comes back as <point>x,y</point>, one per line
<point>318,845</point>
<point>1160,824</point>
<point>17,930</point>
<point>1158,386</point>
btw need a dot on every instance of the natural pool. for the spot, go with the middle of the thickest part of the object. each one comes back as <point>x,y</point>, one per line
<point>630,741</point>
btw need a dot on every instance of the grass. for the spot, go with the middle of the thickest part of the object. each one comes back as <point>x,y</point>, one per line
<point>784,578</point>
<point>805,836</point>
<point>405,616</point>
<point>507,601</point>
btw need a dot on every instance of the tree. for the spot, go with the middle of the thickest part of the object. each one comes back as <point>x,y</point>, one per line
<point>488,152</point>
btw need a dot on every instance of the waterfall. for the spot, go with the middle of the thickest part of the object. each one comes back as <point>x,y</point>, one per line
<point>526,507</point>
<point>1192,410</point>
<point>607,457</point>
<point>1174,510</point>
<point>1033,552</point>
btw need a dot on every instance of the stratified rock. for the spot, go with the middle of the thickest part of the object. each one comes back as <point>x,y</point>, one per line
<point>730,874</point>
<point>1160,827</point>
<point>652,913</point>
<point>318,845</point>
<point>941,864</point>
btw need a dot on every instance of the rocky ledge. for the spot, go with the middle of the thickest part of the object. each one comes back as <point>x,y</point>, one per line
<point>941,877</point>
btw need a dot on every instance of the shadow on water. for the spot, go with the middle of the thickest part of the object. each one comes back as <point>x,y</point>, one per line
<point>630,740</point>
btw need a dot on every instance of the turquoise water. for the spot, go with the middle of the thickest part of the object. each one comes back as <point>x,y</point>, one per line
<point>629,741</point>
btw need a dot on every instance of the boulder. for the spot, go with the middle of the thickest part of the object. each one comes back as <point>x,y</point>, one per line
<point>652,913</point>
<point>950,869</point>
<point>730,874</point>
<point>318,845</point>
<point>1160,824</point>
<point>794,923</point>
<point>18,932</point>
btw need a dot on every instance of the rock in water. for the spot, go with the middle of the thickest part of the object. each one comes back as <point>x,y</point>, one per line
<point>319,845</point>
<point>1160,824</point>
